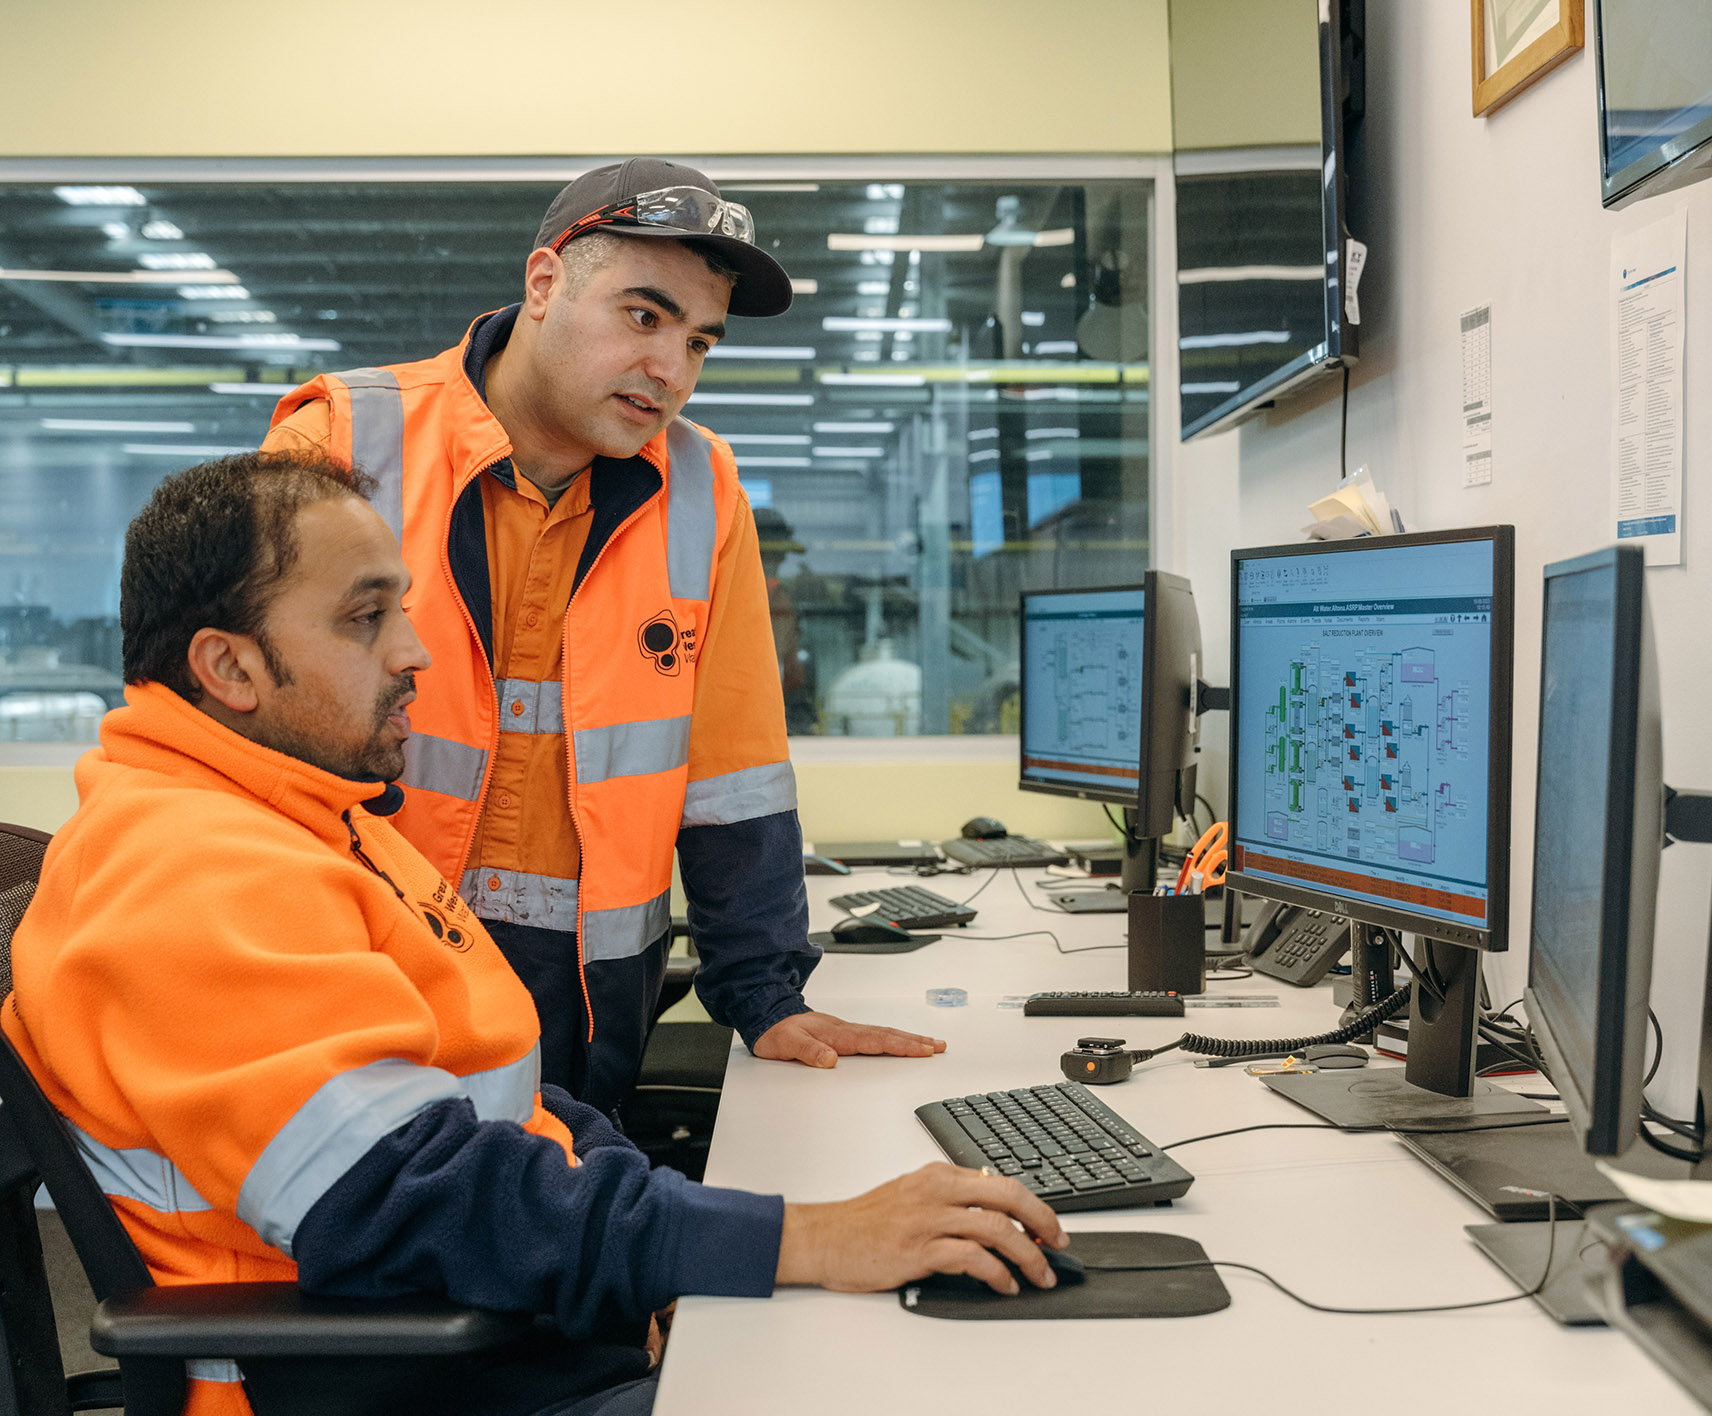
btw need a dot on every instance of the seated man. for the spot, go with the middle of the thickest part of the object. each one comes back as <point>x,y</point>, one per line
<point>288,1048</point>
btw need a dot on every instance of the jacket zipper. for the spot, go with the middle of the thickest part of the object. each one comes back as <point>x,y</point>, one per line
<point>565,715</point>
<point>470,622</point>
<point>362,855</point>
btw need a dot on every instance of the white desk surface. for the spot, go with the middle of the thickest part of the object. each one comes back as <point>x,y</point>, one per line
<point>1352,1220</point>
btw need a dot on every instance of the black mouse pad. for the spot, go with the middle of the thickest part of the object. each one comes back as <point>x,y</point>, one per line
<point>884,946</point>
<point>1112,1289</point>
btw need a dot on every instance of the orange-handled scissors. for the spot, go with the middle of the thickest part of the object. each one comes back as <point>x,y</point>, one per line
<point>1207,859</point>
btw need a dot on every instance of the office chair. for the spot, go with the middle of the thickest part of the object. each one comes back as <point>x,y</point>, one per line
<point>299,1353</point>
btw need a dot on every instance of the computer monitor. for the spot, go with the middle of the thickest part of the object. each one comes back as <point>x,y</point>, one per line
<point>1370,766</point>
<point>1599,828</point>
<point>1109,684</point>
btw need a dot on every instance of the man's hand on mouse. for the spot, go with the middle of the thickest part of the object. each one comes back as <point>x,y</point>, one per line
<point>819,1040</point>
<point>939,1219</point>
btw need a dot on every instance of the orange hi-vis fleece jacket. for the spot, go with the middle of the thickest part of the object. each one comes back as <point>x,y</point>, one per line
<point>241,988</point>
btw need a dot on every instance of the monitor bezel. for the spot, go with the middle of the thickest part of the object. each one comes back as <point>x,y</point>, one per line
<point>1606,1113</point>
<point>1684,158</point>
<point>1495,937</point>
<point>1133,801</point>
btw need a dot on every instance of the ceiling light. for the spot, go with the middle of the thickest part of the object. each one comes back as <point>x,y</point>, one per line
<point>760,400</point>
<point>1058,236</point>
<point>112,425</point>
<point>885,191</point>
<point>889,324</point>
<point>271,390</point>
<point>1220,386</point>
<point>977,434</point>
<point>159,230</point>
<point>747,462</point>
<point>875,428</point>
<point>117,277</point>
<point>869,336</point>
<point>986,454</point>
<point>804,287</point>
<point>213,292</point>
<point>768,439</point>
<point>880,225</point>
<point>1037,454</point>
<point>1226,341</point>
<point>851,241</point>
<point>881,380</point>
<point>282,340</point>
<point>1053,433</point>
<point>1220,275</point>
<point>101,196</point>
<point>1034,318</point>
<point>1055,346</point>
<point>182,450</point>
<point>850,452</point>
<point>176,260</point>
<point>761,351</point>
<point>873,287</point>
<point>880,258</point>
<point>1069,281</point>
<point>115,230</point>
<point>242,316</point>
<point>866,356</point>
<point>1005,234</point>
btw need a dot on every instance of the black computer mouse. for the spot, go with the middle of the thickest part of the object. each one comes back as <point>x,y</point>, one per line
<point>865,929</point>
<point>983,828</point>
<point>823,865</point>
<point>1331,1054</point>
<point>1067,1266</point>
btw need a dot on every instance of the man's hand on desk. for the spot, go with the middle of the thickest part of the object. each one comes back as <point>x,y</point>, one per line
<point>939,1219</point>
<point>819,1039</point>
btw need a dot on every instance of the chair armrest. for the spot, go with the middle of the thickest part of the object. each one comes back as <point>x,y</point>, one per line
<point>239,1320</point>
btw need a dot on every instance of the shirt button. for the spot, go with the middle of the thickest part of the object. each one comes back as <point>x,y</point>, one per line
<point>504,800</point>
<point>493,882</point>
<point>532,619</point>
<point>517,708</point>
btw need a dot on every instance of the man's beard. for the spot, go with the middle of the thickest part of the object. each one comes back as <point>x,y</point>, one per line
<point>376,760</point>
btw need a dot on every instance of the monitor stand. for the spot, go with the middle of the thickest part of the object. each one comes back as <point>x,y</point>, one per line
<point>1437,1085</point>
<point>1140,870</point>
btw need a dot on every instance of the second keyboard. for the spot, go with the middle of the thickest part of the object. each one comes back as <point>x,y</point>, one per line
<point>907,906</point>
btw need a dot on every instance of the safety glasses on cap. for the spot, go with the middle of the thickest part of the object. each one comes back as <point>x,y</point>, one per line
<point>691,210</point>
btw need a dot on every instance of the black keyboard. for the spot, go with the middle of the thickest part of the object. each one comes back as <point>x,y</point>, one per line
<point>907,906</point>
<point>1061,1141</point>
<point>1104,1005</point>
<point>1020,851</point>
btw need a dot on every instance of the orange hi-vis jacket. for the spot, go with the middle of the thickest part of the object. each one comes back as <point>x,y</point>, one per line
<point>655,741</point>
<point>230,1005</point>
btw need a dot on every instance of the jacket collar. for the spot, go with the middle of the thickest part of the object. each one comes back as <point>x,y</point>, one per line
<point>158,731</point>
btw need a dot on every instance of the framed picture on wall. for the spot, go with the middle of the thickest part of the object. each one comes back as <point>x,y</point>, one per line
<point>1518,41</point>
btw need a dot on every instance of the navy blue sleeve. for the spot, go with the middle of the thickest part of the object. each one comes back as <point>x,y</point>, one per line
<point>748,913</point>
<point>492,1216</point>
<point>590,1129</point>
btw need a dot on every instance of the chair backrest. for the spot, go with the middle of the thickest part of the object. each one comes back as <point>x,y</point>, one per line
<point>109,1258</point>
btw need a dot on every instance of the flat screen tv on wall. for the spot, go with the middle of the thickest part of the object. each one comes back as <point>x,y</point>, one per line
<point>1655,95</point>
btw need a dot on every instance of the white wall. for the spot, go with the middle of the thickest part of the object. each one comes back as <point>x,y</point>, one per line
<point>1465,211</point>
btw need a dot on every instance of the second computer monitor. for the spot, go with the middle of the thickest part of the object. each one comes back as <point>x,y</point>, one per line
<point>1108,697</point>
<point>1370,729</point>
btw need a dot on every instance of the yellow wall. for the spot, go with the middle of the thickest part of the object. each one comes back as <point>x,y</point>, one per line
<point>1246,73</point>
<point>42,797</point>
<point>341,78</point>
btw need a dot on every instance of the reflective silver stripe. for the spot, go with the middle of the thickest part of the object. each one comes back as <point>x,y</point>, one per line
<point>625,933</point>
<point>330,1133</point>
<point>377,438</point>
<point>138,1174</point>
<point>689,512</point>
<point>741,796</point>
<point>544,901</point>
<point>506,1093</point>
<point>543,706</point>
<point>632,749</point>
<point>438,764</point>
<point>205,1369</point>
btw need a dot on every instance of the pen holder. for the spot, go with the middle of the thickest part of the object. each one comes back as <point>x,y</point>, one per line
<point>1167,948</point>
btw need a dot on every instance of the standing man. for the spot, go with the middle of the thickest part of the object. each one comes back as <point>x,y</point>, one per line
<point>586,578</point>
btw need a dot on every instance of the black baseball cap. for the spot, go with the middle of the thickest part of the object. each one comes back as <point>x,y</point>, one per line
<point>762,287</point>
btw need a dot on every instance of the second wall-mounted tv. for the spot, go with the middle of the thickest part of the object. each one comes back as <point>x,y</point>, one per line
<point>1655,95</point>
<point>1265,97</point>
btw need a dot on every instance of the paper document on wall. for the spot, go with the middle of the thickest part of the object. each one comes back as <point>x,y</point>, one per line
<point>1690,1200</point>
<point>1477,396</point>
<point>1647,274</point>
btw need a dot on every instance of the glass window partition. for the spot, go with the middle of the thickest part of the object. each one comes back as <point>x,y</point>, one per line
<point>956,408</point>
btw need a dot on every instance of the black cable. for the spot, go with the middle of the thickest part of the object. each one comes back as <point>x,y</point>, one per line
<point>1664,1147</point>
<point>1658,1048</point>
<point>1036,933</point>
<point>1363,1022</point>
<point>1343,434</point>
<point>1119,826</point>
<point>1551,1255</point>
<point>1378,1128</point>
<point>1212,815</point>
<point>1429,985</point>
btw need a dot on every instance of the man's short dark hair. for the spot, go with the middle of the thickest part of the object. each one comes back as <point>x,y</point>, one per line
<point>210,550</point>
